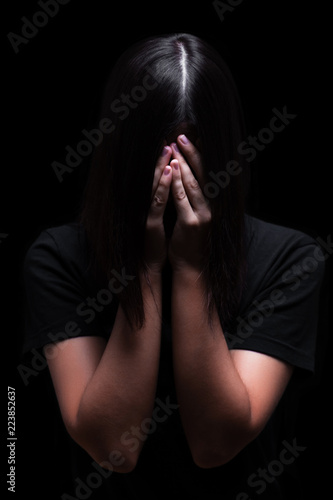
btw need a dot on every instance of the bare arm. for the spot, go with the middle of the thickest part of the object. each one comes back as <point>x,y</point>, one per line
<point>106,389</point>
<point>225,397</point>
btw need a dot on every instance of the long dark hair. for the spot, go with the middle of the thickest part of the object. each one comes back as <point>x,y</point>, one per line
<point>157,84</point>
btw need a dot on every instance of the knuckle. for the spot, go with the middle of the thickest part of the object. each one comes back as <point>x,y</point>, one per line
<point>206,217</point>
<point>151,222</point>
<point>194,223</point>
<point>207,214</point>
<point>153,232</point>
<point>207,221</point>
<point>157,201</point>
<point>180,195</point>
<point>151,225</point>
<point>194,185</point>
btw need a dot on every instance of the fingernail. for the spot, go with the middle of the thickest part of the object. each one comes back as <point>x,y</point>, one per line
<point>175,165</point>
<point>175,147</point>
<point>165,151</point>
<point>183,139</point>
<point>167,170</point>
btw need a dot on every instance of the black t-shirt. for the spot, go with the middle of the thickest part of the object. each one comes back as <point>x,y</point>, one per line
<point>278,316</point>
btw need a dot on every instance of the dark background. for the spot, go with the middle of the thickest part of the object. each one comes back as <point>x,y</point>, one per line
<point>278,52</point>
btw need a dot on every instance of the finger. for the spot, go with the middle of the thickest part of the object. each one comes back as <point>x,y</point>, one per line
<point>182,204</point>
<point>161,195</point>
<point>192,186</point>
<point>162,162</point>
<point>193,157</point>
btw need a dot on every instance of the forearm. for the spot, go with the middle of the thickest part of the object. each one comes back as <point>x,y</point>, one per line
<point>214,403</point>
<point>121,393</point>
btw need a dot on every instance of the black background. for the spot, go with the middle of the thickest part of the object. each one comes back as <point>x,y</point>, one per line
<point>278,52</point>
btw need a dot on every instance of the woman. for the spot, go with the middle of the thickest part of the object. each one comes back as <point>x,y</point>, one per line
<point>186,321</point>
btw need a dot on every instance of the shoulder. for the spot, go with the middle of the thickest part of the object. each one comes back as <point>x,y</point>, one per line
<point>271,236</point>
<point>60,288</point>
<point>278,254</point>
<point>69,236</point>
<point>278,314</point>
<point>60,247</point>
<point>273,245</point>
<point>68,239</point>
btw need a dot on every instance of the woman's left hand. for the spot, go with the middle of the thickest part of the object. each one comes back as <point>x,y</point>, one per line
<point>189,238</point>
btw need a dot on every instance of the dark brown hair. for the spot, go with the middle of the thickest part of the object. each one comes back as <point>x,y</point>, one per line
<point>157,84</point>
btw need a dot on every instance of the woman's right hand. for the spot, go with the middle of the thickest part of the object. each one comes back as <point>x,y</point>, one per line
<point>155,239</point>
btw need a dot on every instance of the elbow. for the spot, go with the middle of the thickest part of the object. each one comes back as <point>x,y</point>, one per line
<point>102,448</point>
<point>219,449</point>
<point>114,461</point>
<point>224,437</point>
<point>209,458</point>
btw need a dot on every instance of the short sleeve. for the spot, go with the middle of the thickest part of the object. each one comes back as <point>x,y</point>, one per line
<point>279,316</point>
<point>57,292</point>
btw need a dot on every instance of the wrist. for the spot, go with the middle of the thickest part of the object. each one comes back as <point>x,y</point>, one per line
<point>150,277</point>
<point>186,266</point>
<point>187,274</point>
